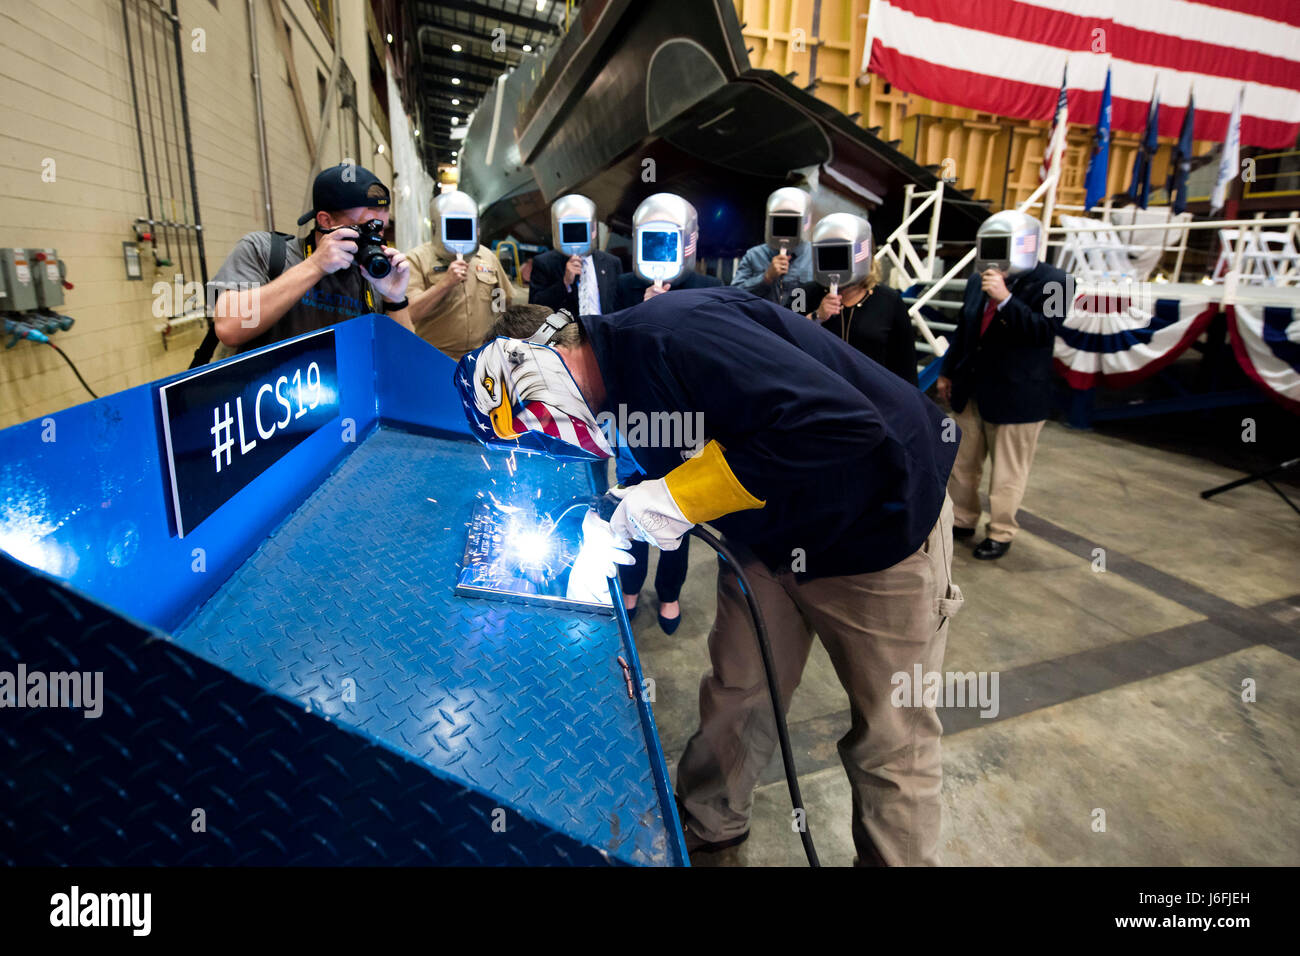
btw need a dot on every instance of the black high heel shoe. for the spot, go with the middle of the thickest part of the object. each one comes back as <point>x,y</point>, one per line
<point>669,624</point>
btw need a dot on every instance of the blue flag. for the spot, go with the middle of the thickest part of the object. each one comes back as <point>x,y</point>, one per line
<point>1180,162</point>
<point>1099,161</point>
<point>1140,188</point>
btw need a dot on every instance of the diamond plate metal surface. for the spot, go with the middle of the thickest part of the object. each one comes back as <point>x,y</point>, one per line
<point>275,784</point>
<point>349,608</point>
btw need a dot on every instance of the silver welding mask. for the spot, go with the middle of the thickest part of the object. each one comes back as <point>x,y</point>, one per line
<point>789,213</point>
<point>455,224</point>
<point>842,250</point>
<point>573,225</point>
<point>665,230</point>
<point>1008,241</point>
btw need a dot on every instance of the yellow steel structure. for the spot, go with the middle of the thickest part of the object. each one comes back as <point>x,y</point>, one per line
<point>996,157</point>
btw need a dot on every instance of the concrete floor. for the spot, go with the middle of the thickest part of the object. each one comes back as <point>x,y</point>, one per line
<point>1120,690</point>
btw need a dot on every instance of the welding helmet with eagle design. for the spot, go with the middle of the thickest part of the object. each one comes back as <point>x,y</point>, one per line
<point>665,233</point>
<point>1008,242</point>
<point>520,396</point>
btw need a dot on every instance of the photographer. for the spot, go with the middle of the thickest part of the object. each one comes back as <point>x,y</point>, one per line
<point>273,287</point>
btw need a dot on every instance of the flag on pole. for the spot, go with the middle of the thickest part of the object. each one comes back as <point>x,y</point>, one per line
<point>1230,160</point>
<point>1099,161</point>
<point>1140,188</point>
<point>1055,136</point>
<point>1180,161</point>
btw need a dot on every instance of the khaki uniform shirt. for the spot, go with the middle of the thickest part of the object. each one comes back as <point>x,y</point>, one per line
<point>462,320</point>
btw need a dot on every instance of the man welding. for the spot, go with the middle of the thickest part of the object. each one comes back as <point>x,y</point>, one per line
<point>825,473</point>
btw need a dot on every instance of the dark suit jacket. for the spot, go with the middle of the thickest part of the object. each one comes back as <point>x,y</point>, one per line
<point>631,287</point>
<point>1008,370</point>
<point>546,286</point>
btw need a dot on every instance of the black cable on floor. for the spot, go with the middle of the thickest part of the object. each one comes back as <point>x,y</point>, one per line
<point>74,369</point>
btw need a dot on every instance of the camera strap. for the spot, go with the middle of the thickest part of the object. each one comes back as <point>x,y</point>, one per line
<point>274,267</point>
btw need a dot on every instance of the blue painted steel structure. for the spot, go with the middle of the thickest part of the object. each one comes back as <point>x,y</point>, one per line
<point>298,667</point>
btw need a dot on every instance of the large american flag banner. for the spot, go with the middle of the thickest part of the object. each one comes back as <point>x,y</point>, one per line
<point>1004,57</point>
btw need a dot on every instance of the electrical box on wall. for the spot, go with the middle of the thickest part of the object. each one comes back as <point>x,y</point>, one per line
<point>47,276</point>
<point>18,280</point>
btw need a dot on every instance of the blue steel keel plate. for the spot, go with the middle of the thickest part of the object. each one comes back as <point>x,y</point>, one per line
<point>349,607</point>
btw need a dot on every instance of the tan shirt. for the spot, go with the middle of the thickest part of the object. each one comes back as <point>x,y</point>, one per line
<point>462,320</point>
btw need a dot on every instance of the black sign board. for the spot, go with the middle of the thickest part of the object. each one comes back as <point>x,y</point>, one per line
<point>226,425</point>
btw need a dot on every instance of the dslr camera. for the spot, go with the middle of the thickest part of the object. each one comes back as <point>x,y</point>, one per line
<point>370,248</point>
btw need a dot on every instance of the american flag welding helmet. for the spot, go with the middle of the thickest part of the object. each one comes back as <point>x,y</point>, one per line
<point>519,396</point>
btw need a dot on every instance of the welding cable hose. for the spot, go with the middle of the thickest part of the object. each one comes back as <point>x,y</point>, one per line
<point>605,505</point>
<point>769,668</point>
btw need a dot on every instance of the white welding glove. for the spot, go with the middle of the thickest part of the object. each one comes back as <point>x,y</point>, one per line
<point>647,512</point>
<point>602,548</point>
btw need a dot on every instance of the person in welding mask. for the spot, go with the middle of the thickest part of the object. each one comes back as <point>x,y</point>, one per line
<point>869,316</point>
<point>826,475</point>
<point>458,287</point>
<point>574,275</point>
<point>665,234</point>
<point>783,261</point>
<point>997,374</point>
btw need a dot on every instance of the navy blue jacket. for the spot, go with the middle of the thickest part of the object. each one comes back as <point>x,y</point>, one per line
<point>850,459</point>
<point>1008,370</point>
<point>631,287</point>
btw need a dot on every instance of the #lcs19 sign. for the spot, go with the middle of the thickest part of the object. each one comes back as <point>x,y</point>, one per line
<point>226,425</point>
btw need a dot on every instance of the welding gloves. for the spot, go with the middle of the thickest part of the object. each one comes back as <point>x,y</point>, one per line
<point>602,549</point>
<point>662,511</point>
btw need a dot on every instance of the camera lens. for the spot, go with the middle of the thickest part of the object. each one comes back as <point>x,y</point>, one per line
<point>377,265</point>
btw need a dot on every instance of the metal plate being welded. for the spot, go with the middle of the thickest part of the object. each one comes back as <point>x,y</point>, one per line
<point>516,557</point>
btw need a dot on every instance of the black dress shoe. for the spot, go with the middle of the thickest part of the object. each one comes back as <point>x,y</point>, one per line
<point>697,844</point>
<point>989,550</point>
<point>669,624</point>
<point>958,532</point>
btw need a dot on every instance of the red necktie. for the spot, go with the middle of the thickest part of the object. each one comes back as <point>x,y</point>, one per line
<point>989,311</point>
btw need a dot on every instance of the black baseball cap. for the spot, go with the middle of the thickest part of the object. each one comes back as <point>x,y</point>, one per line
<point>345,186</point>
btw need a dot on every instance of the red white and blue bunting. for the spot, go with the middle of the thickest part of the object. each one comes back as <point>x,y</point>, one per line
<point>1114,338</point>
<point>1266,341</point>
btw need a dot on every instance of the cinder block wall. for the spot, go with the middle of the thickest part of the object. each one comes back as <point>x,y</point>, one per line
<point>67,98</point>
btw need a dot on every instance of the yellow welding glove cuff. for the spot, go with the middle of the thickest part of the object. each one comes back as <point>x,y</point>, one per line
<point>705,487</point>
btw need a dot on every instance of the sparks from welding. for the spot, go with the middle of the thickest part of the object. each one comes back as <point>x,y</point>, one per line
<point>501,506</point>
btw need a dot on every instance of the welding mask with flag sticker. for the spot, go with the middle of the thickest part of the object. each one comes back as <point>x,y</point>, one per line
<point>454,216</point>
<point>519,396</point>
<point>789,212</point>
<point>1008,242</point>
<point>842,250</point>
<point>665,231</point>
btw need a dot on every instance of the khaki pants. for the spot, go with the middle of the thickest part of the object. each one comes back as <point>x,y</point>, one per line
<point>1011,449</point>
<point>873,626</point>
